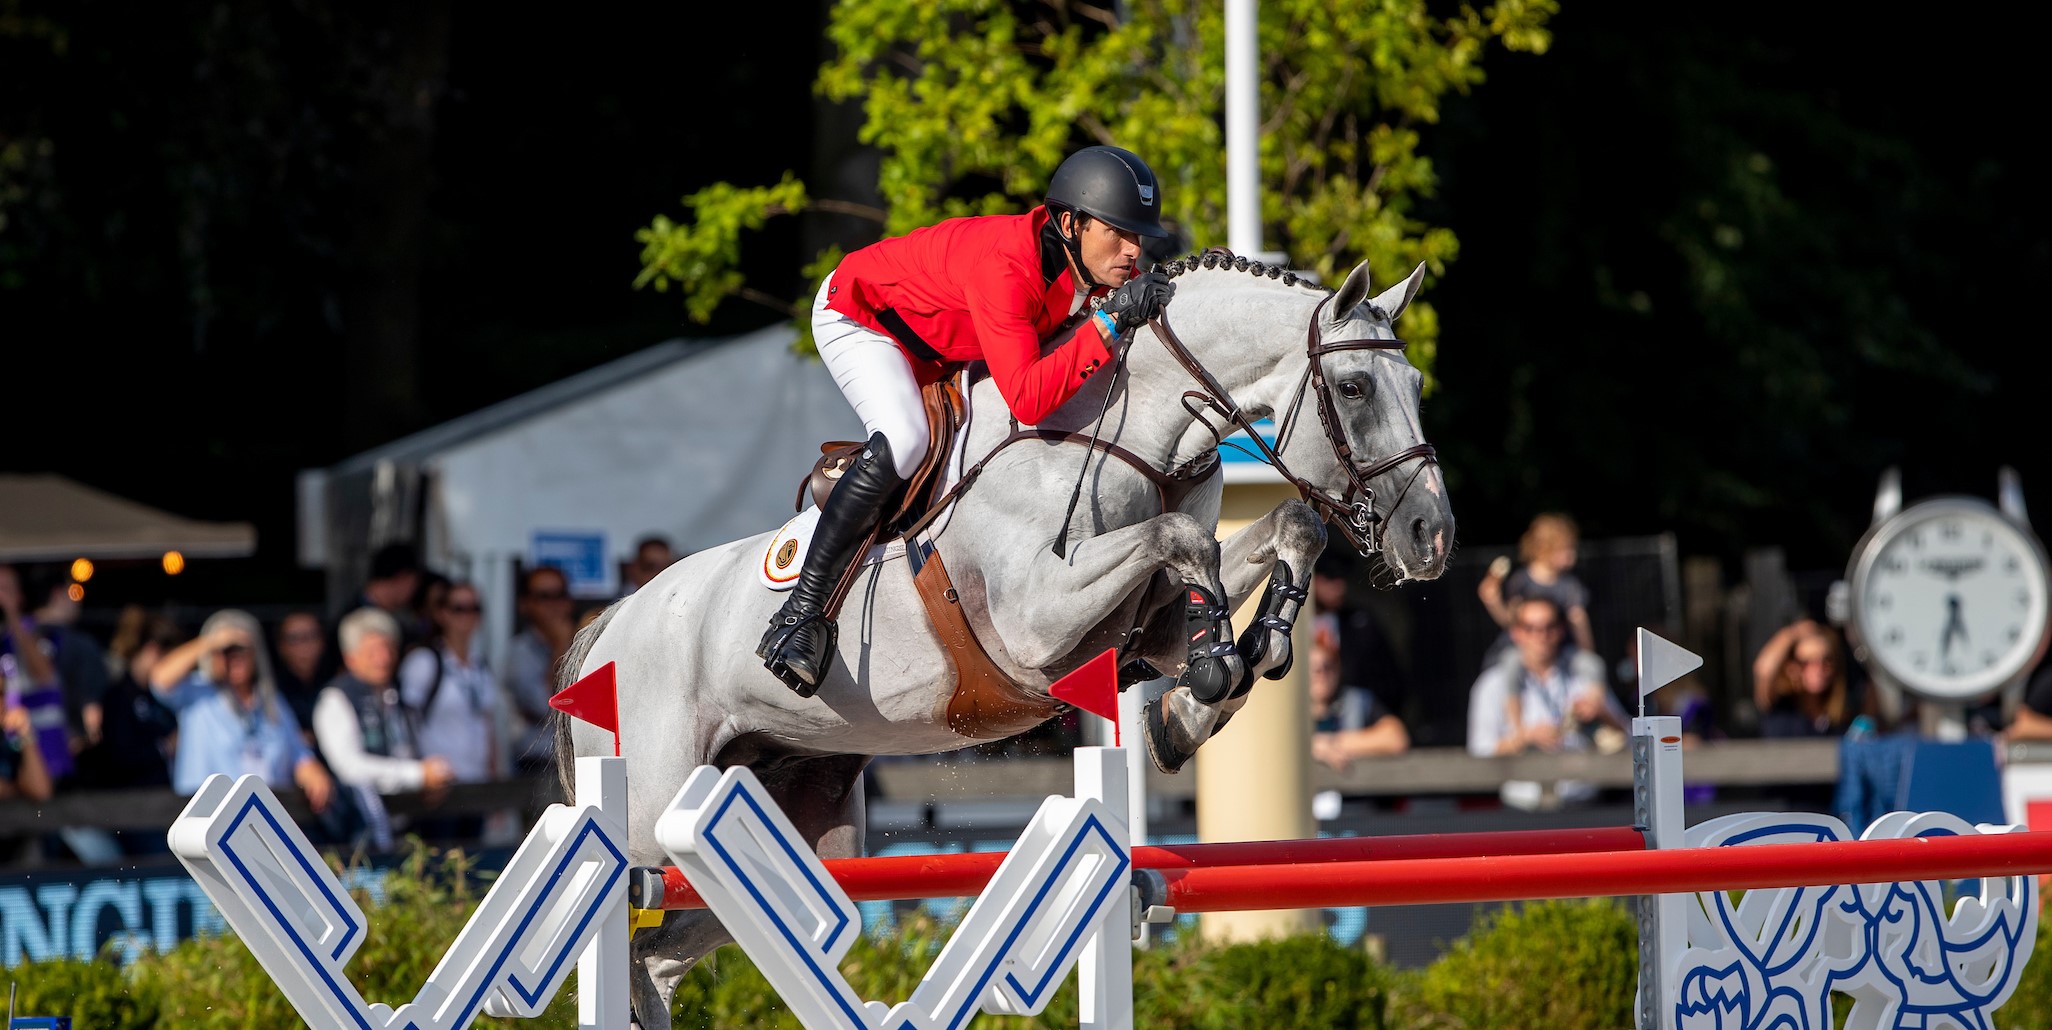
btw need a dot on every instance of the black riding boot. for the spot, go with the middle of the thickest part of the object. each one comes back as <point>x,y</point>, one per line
<point>799,646</point>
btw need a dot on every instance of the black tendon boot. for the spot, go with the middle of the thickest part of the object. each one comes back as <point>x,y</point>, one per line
<point>799,646</point>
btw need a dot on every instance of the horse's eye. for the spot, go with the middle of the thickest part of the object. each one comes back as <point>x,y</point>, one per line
<point>1350,390</point>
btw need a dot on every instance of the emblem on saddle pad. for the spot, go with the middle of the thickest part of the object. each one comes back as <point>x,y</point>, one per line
<point>783,558</point>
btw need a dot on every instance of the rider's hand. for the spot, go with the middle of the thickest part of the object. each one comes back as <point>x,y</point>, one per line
<point>1133,304</point>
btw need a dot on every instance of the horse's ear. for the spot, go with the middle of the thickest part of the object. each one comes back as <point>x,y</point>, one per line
<point>1351,294</point>
<point>1395,299</point>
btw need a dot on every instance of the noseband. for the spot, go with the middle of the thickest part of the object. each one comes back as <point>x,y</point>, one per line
<point>1353,512</point>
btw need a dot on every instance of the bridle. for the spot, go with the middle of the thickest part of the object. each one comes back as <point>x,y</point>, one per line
<point>1353,512</point>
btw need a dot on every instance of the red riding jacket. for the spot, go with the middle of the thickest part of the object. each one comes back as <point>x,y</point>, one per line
<point>970,288</point>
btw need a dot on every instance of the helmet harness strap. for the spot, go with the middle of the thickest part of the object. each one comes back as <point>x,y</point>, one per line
<point>1073,243</point>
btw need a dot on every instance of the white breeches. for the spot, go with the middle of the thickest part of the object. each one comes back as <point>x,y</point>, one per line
<point>875,376</point>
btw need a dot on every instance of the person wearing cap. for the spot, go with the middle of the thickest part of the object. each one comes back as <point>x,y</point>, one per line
<point>911,310</point>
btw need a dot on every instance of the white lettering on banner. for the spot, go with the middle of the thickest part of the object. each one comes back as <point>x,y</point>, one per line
<point>771,892</point>
<point>561,893</point>
<point>135,914</point>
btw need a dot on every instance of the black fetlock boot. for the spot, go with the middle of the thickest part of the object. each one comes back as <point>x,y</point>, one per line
<point>799,647</point>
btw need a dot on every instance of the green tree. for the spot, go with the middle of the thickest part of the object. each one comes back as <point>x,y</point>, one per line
<point>972,104</point>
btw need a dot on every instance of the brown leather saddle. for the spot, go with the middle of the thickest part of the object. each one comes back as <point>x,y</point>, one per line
<point>985,703</point>
<point>946,413</point>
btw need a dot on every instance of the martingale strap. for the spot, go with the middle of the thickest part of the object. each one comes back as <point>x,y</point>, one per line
<point>985,704</point>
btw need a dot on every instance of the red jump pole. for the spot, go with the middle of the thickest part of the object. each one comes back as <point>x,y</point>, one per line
<point>905,877</point>
<point>1605,874</point>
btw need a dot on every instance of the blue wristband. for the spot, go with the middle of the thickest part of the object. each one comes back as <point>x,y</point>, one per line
<point>1111,328</point>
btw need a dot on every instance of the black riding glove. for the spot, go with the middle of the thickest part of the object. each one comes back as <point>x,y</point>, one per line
<point>1134,304</point>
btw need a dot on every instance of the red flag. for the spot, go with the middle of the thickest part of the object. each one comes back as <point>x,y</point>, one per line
<point>594,699</point>
<point>1093,688</point>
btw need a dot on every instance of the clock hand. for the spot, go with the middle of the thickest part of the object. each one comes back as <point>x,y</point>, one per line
<point>1953,624</point>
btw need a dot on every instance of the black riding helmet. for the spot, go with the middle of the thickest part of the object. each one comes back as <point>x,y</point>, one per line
<point>1111,185</point>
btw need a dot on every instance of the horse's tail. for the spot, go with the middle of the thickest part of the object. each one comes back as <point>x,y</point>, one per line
<point>566,674</point>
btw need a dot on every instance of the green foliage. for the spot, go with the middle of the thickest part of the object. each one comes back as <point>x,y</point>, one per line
<point>1565,964</point>
<point>973,103</point>
<point>100,994</point>
<point>2030,1008</point>
<point>216,981</point>
<point>1308,982</point>
<point>700,256</point>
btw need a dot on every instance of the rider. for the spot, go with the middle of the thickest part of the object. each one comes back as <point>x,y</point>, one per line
<point>910,310</point>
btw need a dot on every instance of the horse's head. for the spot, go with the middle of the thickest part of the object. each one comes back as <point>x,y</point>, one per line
<point>1361,437</point>
<point>1329,370</point>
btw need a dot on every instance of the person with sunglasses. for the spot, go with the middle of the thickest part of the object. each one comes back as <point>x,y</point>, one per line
<point>230,717</point>
<point>1551,698</point>
<point>1800,685</point>
<point>304,664</point>
<point>548,614</point>
<point>450,691</point>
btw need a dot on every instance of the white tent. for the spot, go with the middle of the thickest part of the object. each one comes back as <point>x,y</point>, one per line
<point>699,441</point>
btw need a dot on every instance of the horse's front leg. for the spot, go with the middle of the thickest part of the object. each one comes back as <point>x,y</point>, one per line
<point>1043,612</point>
<point>1278,549</point>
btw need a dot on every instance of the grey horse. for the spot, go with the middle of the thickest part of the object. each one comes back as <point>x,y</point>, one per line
<point>1325,365</point>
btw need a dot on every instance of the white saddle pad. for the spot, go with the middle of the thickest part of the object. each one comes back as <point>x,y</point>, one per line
<point>784,559</point>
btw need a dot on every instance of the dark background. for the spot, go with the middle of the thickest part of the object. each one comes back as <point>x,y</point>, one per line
<point>1720,265</point>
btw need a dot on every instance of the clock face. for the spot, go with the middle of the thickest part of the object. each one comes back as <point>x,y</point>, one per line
<point>1950,598</point>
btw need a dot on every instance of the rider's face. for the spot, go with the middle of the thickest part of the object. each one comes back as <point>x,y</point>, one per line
<point>1110,255</point>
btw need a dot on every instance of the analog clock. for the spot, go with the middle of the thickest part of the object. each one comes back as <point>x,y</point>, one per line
<point>1948,596</point>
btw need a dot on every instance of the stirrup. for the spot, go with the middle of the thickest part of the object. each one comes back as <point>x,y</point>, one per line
<point>780,637</point>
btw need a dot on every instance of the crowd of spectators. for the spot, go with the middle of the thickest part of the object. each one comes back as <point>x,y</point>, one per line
<point>394,695</point>
<point>391,695</point>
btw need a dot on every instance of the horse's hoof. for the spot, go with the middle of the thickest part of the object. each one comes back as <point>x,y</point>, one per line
<point>1169,749</point>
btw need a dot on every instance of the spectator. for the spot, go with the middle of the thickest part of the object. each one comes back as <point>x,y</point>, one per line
<point>28,668</point>
<point>652,554</point>
<point>395,576</point>
<point>303,661</point>
<point>132,733</point>
<point>22,775</point>
<point>365,733</point>
<point>130,736</point>
<point>2033,718</point>
<point>418,624</point>
<point>545,610</point>
<point>22,772</point>
<point>1549,550</point>
<point>1551,698</point>
<point>1799,682</point>
<point>1348,722</point>
<point>230,717</point>
<point>1366,658</point>
<point>81,662</point>
<point>454,700</point>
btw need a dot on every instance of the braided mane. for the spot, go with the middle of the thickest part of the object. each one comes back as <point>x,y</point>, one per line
<point>1226,261</point>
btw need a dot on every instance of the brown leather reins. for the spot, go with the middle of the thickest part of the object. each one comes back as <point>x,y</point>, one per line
<point>1357,520</point>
